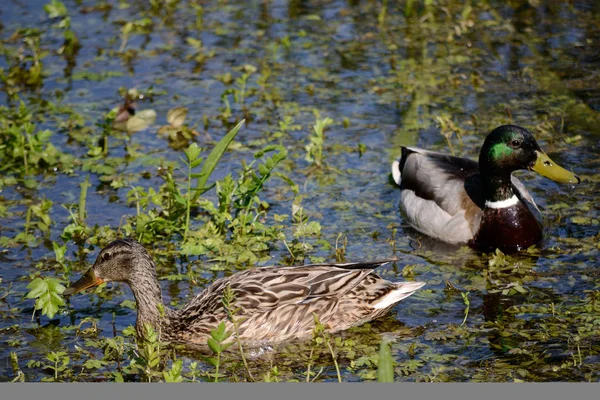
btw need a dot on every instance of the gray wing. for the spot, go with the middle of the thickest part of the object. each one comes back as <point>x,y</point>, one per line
<point>440,194</point>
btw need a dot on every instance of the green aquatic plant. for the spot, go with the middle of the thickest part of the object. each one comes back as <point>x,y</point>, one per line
<point>25,150</point>
<point>234,232</point>
<point>24,63</point>
<point>228,300</point>
<point>59,365</point>
<point>14,363</point>
<point>399,73</point>
<point>314,149</point>
<point>47,294</point>
<point>173,215</point>
<point>385,365</point>
<point>465,297</point>
<point>71,44</point>
<point>216,343</point>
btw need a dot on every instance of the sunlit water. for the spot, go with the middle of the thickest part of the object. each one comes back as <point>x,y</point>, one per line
<point>391,82</point>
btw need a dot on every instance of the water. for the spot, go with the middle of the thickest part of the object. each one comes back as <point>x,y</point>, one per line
<point>532,65</point>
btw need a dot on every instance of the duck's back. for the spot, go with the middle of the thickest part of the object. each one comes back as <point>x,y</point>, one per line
<point>441,194</point>
<point>275,304</point>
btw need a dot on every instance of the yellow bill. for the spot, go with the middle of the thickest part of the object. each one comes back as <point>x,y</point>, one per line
<point>548,168</point>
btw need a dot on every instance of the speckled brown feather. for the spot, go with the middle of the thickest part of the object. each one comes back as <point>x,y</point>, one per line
<point>274,304</point>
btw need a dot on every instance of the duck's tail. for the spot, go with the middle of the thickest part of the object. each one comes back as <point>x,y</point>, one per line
<point>402,291</point>
<point>396,175</point>
<point>398,164</point>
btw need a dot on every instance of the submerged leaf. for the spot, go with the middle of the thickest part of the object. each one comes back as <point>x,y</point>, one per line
<point>176,116</point>
<point>140,121</point>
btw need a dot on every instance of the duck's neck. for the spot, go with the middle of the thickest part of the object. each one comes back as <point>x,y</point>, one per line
<point>498,191</point>
<point>148,296</point>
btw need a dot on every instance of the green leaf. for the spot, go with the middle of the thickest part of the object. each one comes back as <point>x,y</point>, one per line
<point>93,364</point>
<point>214,157</point>
<point>196,162</point>
<point>269,148</point>
<point>214,345</point>
<point>218,333</point>
<point>174,375</point>
<point>59,251</point>
<point>37,287</point>
<point>54,286</point>
<point>192,152</point>
<point>118,376</point>
<point>263,170</point>
<point>55,9</point>
<point>211,360</point>
<point>385,369</point>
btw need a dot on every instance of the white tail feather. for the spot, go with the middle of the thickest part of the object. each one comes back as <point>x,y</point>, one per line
<point>404,290</point>
<point>396,171</point>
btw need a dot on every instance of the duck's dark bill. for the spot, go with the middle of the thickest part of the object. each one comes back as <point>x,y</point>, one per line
<point>86,281</point>
<point>548,168</point>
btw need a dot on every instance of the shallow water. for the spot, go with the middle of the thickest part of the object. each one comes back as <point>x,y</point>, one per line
<point>385,84</point>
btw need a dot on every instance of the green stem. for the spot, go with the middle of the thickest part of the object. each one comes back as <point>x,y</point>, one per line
<point>337,367</point>
<point>310,356</point>
<point>105,149</point>
<point>288,249</point>
<point>27,221</point>
<point>237,336</point>
<point>82,199</point>
<point>465,297</point>
<point>188,202</point>
<point>217,367</point>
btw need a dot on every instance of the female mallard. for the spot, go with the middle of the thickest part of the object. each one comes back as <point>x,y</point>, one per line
<point>458,200</point>
<point>275,303</point>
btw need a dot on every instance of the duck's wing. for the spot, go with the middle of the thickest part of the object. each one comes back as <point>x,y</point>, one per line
<point>272,287</point>
<point>441,194</point>
<point>286,300</point>
<point>278,303</point>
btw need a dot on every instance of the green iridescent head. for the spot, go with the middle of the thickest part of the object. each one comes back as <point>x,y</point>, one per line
<point>509,148</point>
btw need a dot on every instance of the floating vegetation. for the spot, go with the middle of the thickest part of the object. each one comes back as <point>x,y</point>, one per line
<point>228,135</point>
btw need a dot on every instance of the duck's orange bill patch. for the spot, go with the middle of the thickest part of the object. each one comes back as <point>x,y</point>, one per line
<point>86,281</point>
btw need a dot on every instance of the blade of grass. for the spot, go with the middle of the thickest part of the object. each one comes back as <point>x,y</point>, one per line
<point>213,158</point>
<point>82,198</point>
<point>385,369</point>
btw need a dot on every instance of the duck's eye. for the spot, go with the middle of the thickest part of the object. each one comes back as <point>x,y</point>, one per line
<point>516,143</point>
<point>105,256</point>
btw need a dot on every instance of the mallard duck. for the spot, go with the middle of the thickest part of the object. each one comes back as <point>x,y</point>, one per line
<point>458,200</point>
<point>275,303</point>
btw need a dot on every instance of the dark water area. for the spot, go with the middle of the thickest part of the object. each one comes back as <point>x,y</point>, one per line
<point>438,75</point>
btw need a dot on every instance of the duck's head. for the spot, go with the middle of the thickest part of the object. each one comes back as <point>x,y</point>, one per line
<point>121,261</point>
<point>509,148</point>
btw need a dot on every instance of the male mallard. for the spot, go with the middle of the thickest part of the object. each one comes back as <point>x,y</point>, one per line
<point>275,303</point>
<point>458,200</point>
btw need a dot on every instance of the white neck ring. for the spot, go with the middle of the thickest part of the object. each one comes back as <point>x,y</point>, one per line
<point>503,203</point>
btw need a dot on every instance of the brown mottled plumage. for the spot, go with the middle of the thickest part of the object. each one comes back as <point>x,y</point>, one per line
<point>275,303</point>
